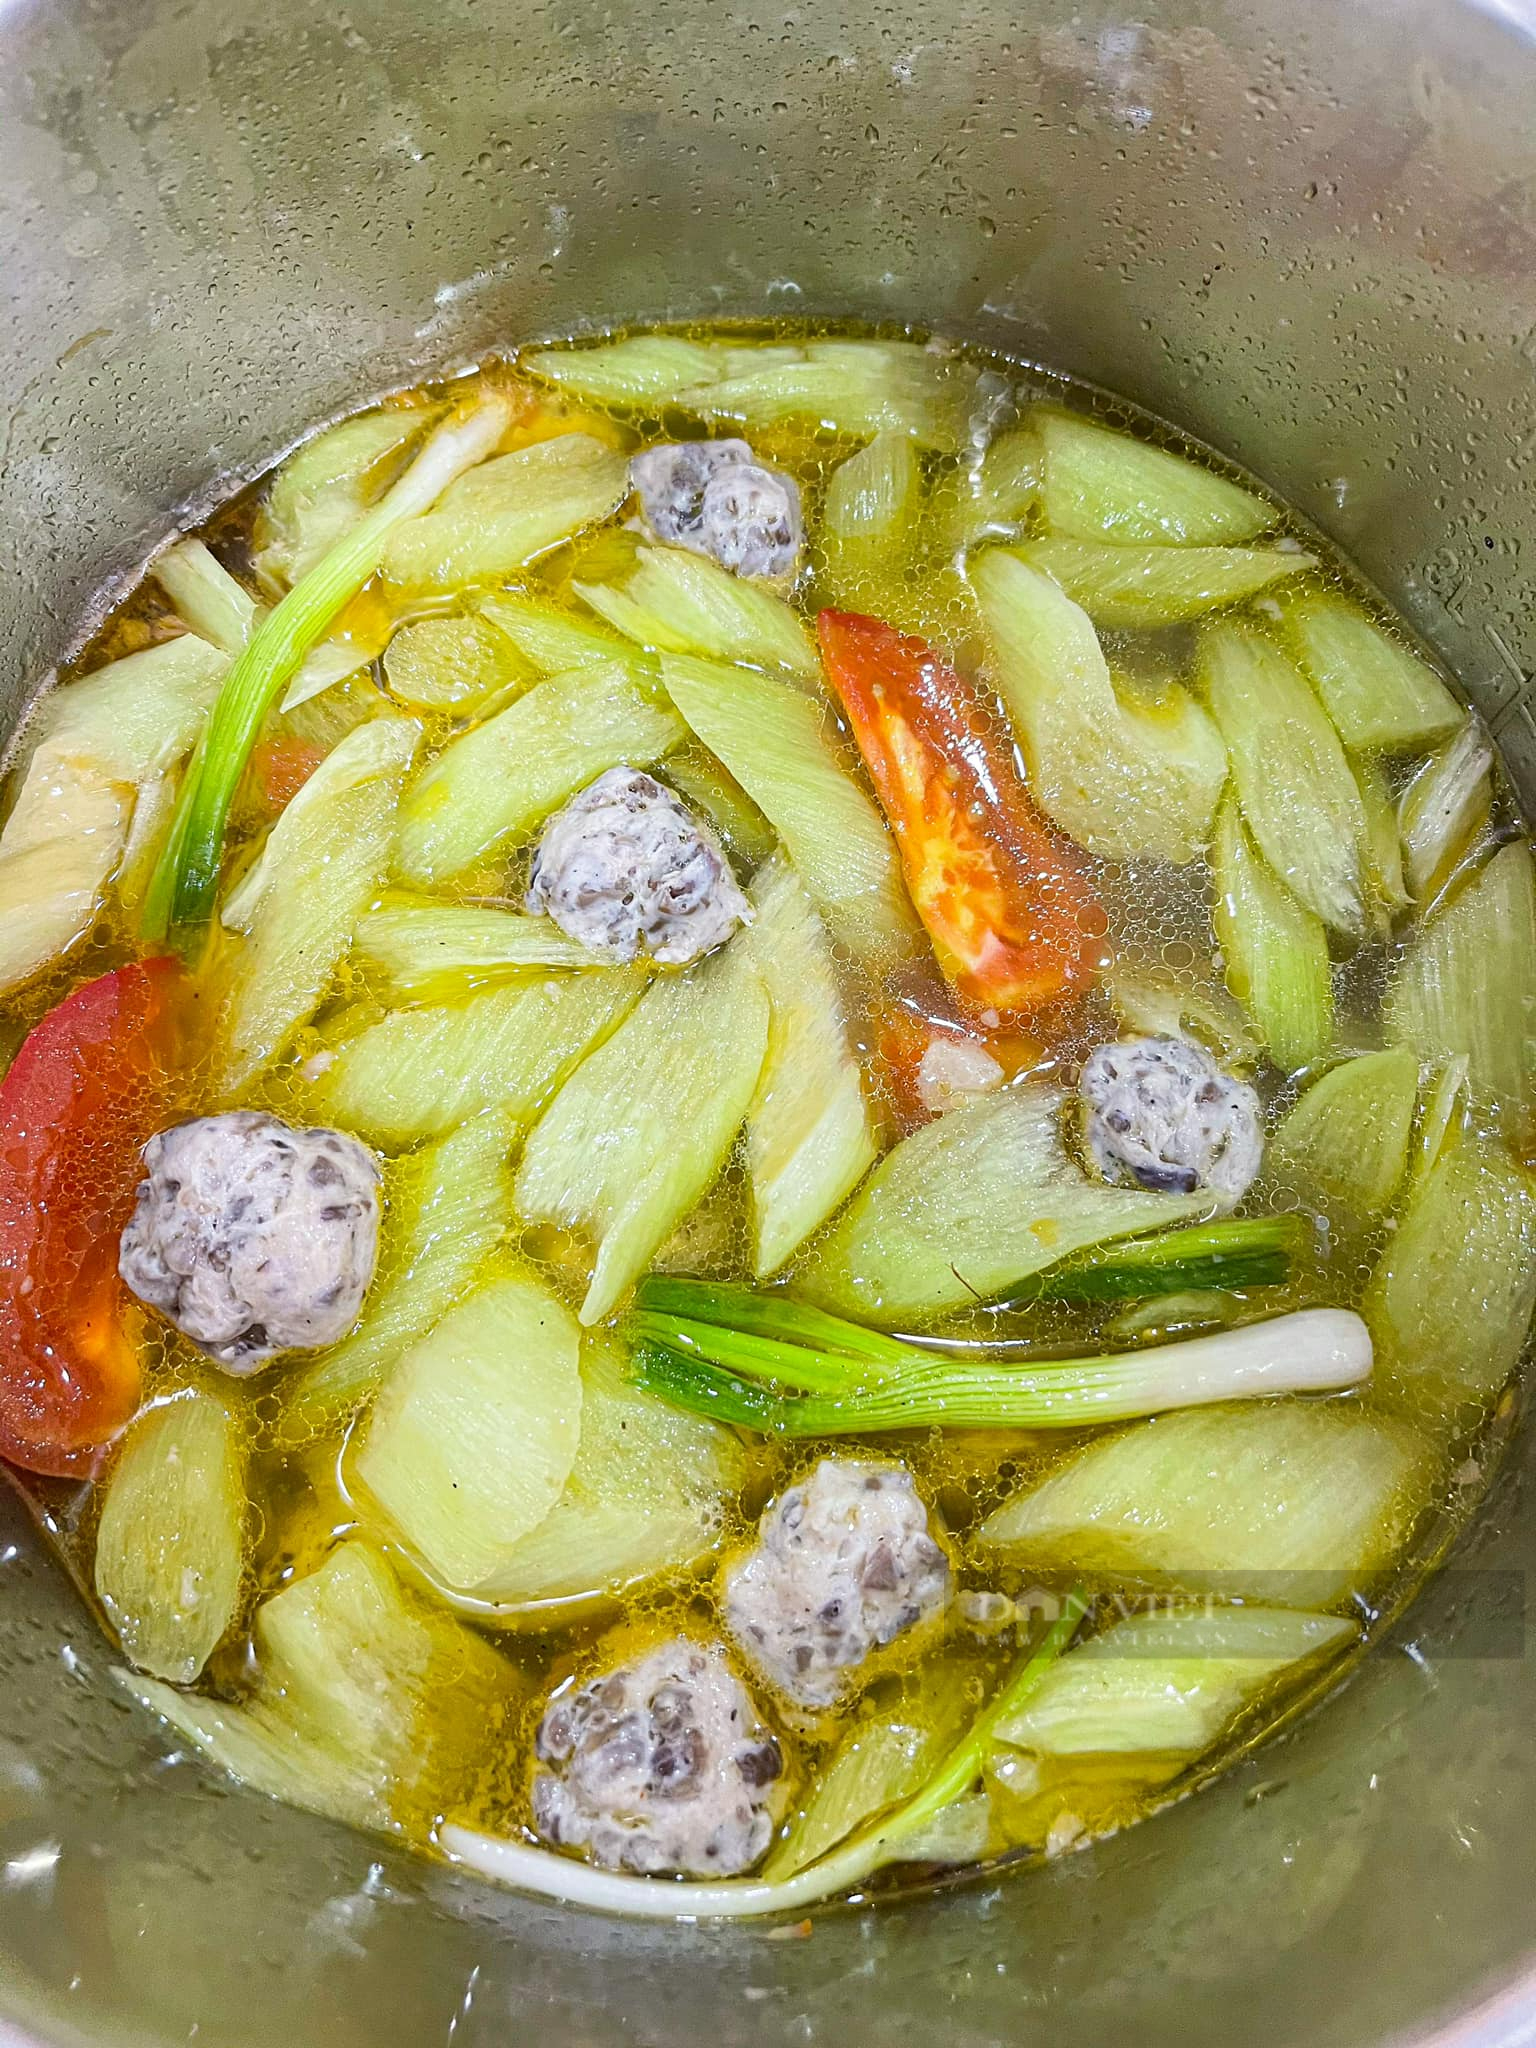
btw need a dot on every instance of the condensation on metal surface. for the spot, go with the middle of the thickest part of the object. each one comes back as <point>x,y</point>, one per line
<point>1306,233</point>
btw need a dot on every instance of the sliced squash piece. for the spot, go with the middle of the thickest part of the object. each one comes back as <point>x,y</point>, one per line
<point>810,1134</point>
<point>636,1136</point>
<point>493,785</point>
<point>418,1073</point>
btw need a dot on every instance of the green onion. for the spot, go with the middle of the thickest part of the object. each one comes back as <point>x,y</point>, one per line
<point>767,1315</point>
<point>1249,1251</point>
<point>187,877</point>
<point>731,1377</point>
<point>836,1875</point>
<point>1244,1251</point>
<point>754,1357</point>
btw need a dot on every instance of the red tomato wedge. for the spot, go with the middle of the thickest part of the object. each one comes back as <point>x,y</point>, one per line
<point>1013,917</point>
<point>91,1083</point>
<point>282,767</point>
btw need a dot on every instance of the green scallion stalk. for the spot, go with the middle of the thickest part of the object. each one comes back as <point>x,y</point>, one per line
<point>838,1874</point>
<point>181,895</point>
<point>766,1315</point>
<point>759,1358</point>
<point>1312,1350</point>
<point>1242,1251</point>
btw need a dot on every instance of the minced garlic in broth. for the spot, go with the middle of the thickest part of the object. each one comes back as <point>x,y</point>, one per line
<point>1159,923</point>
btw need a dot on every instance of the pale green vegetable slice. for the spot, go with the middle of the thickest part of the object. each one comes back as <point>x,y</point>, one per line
<point>417,1073</point>
<point>1007,480</point>
<point>153,809</point>
<point>170,1545</point>
<point>957,1833</point>
<point>1293,1503</point>
<point>454,664</point>
<point>880,1761</point>
<point>257,1746</point>
<point>449,1206</point>
<point>847,387</point>
<point>494,784</point>
<point>55,867</point>
<point>368,1707</point>
<point>637,1134</point>
<point>496,518</point>
<point>1378,693</point>
<point>1298,796</point>
<point>1467,984</point>
<point>208,600</point>
<point>132,719</point>
<point>326,486</point>
<point>677,602</point>
<point>867,522</point>
<point>472,1438</point>
<point>697,776</point>
<point>1274,953</point>
<point>355,1662</point>
<point>1383,845</point>
<point>352,1664</point>
<point>296,906</point>
<point>1450,1304</point>
<point>96,766</point>
<point>1442,1118</point>
<point>1099,484</point>
<point>966,1206</point>
<point>810,1135</point>
<point>1169,1681</point>
<point>871,495</point>
<point>648,1494</point>
<point>420,944</point>
<point>642,368</point>
<point>550,638</point>
<point>344,657</point>
<point>1444,808</point>
<point>1345,1145</point>
<point>1122,775</point>
<point>779,744</point>
<point>1159,586</point>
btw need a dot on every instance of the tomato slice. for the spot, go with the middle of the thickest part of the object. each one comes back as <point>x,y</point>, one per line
<point>90,1084</point>
<point>282,767</point>
<point>1013,917</point>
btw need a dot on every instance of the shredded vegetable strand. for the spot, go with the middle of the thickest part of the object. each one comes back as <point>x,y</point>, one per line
<point>838,1874</point>
<point>186,879</point>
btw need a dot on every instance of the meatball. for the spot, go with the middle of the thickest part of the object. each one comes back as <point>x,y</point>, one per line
<point>253,1237</point>
<point>845,1564</point>
<point>716,499</point>
<point>659,1765</point>
<point>1160,1113</point>
<point>627,868</point>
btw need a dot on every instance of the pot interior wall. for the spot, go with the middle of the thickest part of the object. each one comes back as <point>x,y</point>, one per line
<point>1308,233</point>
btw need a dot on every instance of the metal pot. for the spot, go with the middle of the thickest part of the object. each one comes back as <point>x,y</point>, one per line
<point>1308,233</point>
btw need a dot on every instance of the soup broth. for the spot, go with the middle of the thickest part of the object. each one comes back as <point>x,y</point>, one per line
<point>929,1003</point>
